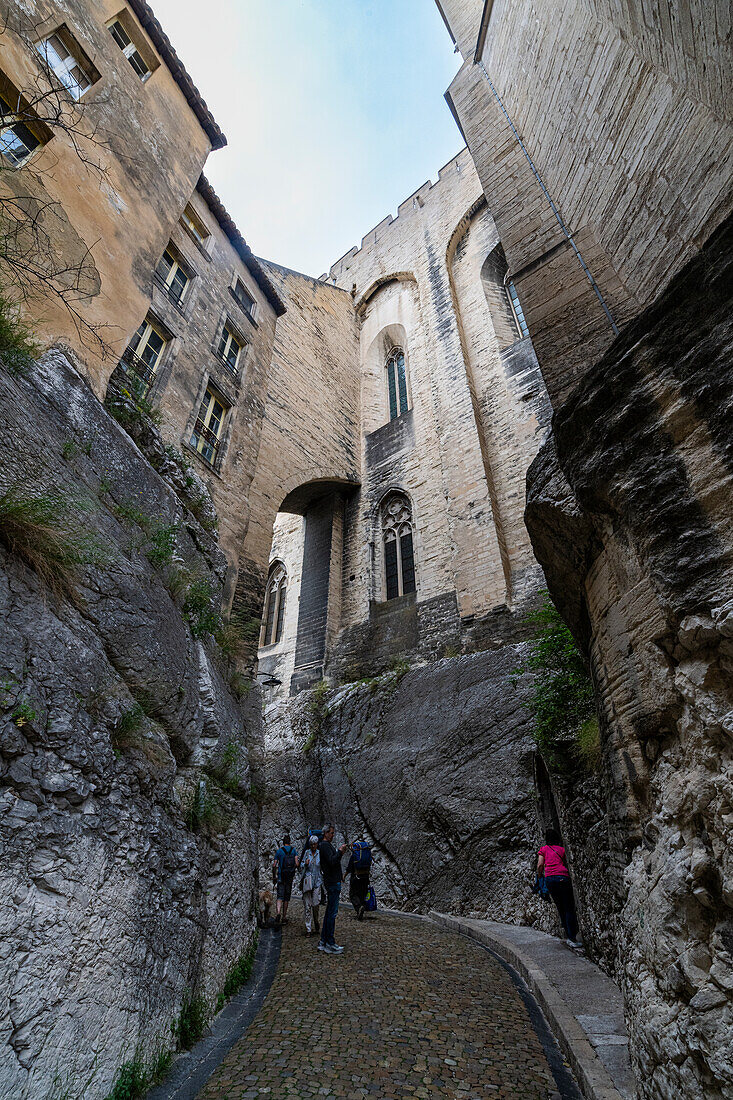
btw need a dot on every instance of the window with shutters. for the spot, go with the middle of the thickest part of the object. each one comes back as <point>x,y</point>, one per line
<point>132,44</point>
<point>397,540</point>
<point>396,383</point>
<point>66,59</point>
<point>274,616</point>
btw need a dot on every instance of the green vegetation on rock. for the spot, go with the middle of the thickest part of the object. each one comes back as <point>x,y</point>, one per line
<point>562,703</point>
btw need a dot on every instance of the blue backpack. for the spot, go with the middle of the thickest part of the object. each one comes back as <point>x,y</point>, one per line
<point>362,855</point>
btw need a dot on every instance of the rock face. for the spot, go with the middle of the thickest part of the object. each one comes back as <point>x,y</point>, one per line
<point>632,523</point>
<point>127,869</point>
<point>434,767</point>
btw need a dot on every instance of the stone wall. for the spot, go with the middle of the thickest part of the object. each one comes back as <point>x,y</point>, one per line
<point>133,188</point>
<point>632,524</point>
<point>625,112</point>
<point>434,766</point>
<point>128,870</point>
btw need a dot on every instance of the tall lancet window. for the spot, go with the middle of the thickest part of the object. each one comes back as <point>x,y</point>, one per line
<point>396,382</point>
<point>399,554</point>
<point>277,585</point>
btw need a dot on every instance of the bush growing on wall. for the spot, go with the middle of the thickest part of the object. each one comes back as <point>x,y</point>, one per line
<point>562,703</point>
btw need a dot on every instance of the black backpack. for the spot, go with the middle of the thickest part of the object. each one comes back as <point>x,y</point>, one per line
<point>287,864</point>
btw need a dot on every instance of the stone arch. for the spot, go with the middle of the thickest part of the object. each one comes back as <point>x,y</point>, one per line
<point>395,277</point>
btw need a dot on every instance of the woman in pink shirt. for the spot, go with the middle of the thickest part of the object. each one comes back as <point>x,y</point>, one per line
<point>551,863</point>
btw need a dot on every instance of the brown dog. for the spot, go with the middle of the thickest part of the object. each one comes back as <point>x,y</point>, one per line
<point>266,900</point>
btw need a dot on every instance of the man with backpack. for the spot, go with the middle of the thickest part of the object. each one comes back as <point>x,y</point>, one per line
<point>331,872</point>
<point>284,865</point>
<point>358,867</point>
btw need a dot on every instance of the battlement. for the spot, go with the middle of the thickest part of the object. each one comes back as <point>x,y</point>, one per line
<point>414,202</point>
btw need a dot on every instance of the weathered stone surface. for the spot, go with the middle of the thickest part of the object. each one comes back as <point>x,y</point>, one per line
<point>111,906</point>
<point>435,768</point>
<point>639,543</point>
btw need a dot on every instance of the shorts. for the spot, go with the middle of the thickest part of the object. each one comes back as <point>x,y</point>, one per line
<point>284,888</point>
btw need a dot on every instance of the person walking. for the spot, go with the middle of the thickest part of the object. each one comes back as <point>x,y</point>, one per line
<point>359,866</point>
<point>332,877</point>
<point>284,867</point>
<point>311,881</point>
<point>552,863</point>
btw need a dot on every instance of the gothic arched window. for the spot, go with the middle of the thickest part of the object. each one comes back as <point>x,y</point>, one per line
<point>399,555</point>
<point>277,584</point>
<point>396,382</point>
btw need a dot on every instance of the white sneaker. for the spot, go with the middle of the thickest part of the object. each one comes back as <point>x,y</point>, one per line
<point>335,949</point>
<point>322,946</point>
<point>573,943</point>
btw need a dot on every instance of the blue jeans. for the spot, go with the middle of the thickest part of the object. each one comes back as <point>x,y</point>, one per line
<point>561,892</point>
<point>328,928</point>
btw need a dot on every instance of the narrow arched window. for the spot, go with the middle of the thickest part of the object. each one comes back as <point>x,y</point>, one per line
<point>274,617</point>
<point>396,382</point>
<point>399,554</point>
<point>516,307</point>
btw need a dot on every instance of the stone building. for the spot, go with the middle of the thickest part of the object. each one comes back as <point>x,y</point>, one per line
<point>602,138</point>
<point>365,438</point>
<point>428,554</point>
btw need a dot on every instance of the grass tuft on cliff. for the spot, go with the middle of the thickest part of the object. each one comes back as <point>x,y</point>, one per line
<point>18,349</point>
<point>563,705</point>
<point>40,530</point>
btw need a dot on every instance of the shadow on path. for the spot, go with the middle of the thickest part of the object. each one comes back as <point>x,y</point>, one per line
<point>191,1070</point>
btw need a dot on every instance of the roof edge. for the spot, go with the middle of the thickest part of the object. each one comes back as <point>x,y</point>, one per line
<point>226,222</point>
<point>195,100</point>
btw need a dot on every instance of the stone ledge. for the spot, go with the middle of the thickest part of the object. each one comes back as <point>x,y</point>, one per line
<point>592,1075</point>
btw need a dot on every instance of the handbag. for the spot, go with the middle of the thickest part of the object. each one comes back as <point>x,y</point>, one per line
<point>539,887</point>
<point>370,900</point>
<point>307,884</point>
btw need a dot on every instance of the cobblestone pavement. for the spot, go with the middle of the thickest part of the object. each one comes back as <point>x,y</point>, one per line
<point>408,1010</point>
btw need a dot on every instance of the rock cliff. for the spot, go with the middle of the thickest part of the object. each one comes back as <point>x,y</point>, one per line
<point>434,766</point>
<point>631,520</point>
<point>128,838</point>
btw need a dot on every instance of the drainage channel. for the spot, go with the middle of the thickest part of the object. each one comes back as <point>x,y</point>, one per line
<point>191,1070</point>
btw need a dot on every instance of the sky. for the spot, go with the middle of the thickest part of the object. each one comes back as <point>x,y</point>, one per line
<point>333,110</point>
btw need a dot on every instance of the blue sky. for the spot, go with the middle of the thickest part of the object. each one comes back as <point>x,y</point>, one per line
<point>333,109</point>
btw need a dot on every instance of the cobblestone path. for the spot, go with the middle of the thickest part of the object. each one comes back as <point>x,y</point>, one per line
<point>408,1010</point>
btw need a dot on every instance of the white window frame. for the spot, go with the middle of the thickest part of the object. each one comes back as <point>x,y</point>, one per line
<point>63,67</point>
<point>131,50</point>
<point>229,337</point>
<point>277,586</point>
<point>199,443</point>
<point>195,226</point>
<point>10,149</point>
<point>176,266</point>
<point>141,342</point>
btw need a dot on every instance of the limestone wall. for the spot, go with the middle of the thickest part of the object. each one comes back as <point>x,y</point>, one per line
<point>636,520</point>
<point>625,113</point>
<point>434,768</point>
<point>128,866</point>
<point>461,450</point>
<point>310,425</point>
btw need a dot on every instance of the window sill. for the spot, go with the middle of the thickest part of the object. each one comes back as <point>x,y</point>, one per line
<point>204,461</point>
